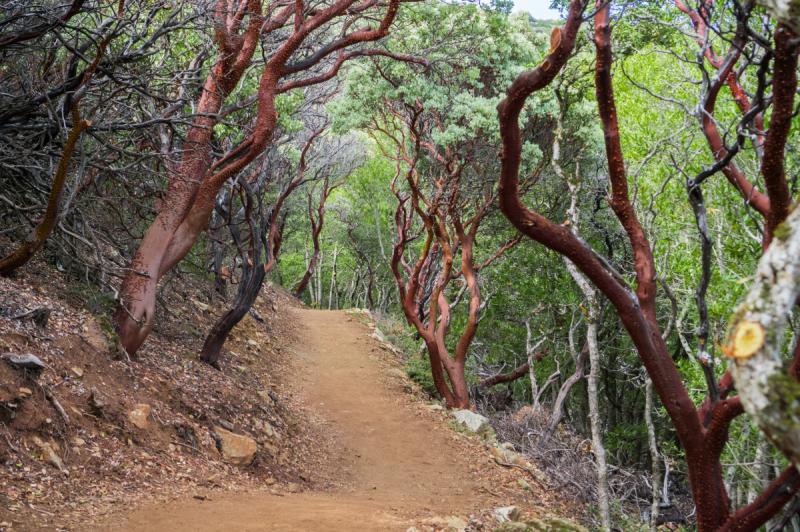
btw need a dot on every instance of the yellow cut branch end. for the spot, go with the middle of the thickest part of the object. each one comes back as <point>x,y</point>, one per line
<point>748,339</point>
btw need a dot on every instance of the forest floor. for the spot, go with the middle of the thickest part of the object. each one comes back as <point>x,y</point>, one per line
<point>396,462</point>
<point>342,439</point>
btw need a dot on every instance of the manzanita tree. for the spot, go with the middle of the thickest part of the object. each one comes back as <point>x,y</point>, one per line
<point>702,430</point>
<point>435,122</point>
<point>450,218</point>
<point>303,44</point>
<point>259,245</point>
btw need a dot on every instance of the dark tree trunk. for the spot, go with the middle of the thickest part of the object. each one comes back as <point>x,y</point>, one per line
<point>249,287</point>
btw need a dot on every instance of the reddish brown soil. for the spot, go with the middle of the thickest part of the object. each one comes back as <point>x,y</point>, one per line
<point>398,463</point>
<point>358,446</point>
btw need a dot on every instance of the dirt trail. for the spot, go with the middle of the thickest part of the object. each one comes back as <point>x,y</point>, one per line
<point>399,464</point>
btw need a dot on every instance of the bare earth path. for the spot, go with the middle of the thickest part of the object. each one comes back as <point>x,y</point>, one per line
<point>399,464</point>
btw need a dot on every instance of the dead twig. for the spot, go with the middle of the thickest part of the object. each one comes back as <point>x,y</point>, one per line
<point>54,401</point>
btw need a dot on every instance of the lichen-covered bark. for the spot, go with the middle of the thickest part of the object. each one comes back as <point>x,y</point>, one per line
<point>785,11</point>
<point>592,320</point>
<point>757,339</point>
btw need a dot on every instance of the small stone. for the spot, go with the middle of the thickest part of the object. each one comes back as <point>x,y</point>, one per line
<point>27,362</point>
<point>139,416</point>
<point>269,430</point>
<point>474,422</point>
<point>25,392</point>
<point>200,305</point>
<point>49,453</point>
<point>450,523</point>
<point>252,343</point>
<point>235,448</point>
<point>77,371</point>
<point>96,404</point>
<point>378,335</point>
<point>78,441</point>
<point>435,407</point>
<point>505,514</point>
<point>456,523</point>
<point>507,456</point>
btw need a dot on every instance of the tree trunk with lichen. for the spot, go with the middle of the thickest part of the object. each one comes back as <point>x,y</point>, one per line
<point>757,338</point>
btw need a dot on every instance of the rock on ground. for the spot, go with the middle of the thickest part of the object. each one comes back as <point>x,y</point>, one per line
<point>505,514</point>
<point>235,448</point>
<point>474,422</point>
<point>140,416</point>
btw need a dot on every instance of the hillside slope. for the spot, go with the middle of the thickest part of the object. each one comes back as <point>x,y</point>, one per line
<point>76,442</point>
<point>334,434</point>
<point>396,461</point>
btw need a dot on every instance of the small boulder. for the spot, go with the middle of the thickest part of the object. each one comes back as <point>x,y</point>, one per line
<point>26,362</point>
<point>235,448</point>
<point>473,422</point>
<point>77,371</point>
<point>140,416</point>
<point>505,514</point>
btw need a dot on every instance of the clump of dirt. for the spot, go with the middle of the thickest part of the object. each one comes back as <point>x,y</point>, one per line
<point>93,431</point>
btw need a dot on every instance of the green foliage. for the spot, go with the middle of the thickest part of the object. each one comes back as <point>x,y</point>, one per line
<point>419,370</point>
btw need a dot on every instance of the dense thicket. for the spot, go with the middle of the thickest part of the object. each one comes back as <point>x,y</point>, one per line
<point>589,217</point>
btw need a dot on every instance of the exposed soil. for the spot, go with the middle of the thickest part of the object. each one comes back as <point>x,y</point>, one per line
<point>397,462</point>
<point>345,440</point>
<point>105,462</point>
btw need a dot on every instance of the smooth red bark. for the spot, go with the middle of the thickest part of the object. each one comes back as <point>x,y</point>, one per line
<point>196,181</point>
<point>702,441</point>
